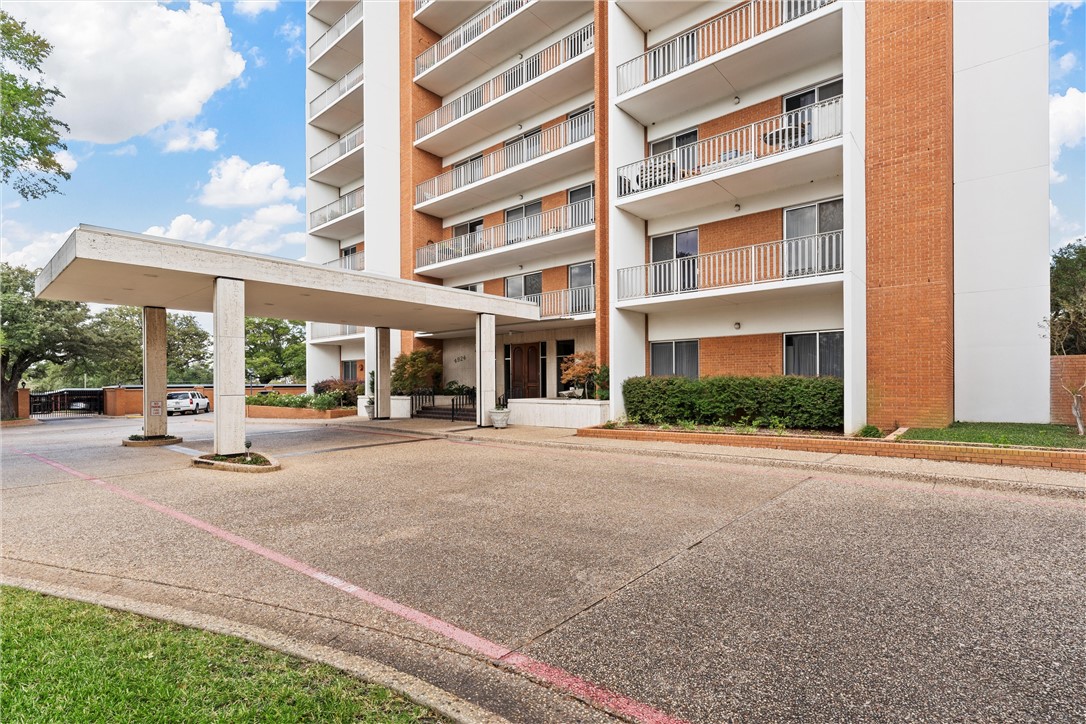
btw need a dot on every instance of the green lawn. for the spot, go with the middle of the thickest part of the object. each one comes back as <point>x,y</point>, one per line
<point>1002,433</point>
<point>64,661</point>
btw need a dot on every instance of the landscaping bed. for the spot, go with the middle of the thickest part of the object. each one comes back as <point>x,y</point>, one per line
<point>238,463</point>
<point>298,413</point>
<point>1002,433</point>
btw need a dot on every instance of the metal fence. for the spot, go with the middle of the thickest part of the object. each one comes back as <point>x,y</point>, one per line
<point>67,402</point>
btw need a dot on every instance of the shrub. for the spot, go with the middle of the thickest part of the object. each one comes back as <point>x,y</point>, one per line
<point>811,403</point>
<point>346,391</point>
<point>869,431</point>
<point>326,401</point>
<point>415,370</point>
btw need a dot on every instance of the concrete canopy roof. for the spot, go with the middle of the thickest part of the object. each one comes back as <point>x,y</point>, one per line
<point>118,267</point>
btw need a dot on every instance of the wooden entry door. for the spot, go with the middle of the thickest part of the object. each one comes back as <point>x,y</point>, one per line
<point>524,370</point>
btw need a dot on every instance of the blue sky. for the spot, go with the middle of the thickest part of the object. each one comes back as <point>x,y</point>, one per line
<point>188,121</point>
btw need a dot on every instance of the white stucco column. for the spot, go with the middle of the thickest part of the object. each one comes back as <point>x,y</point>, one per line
<point>154,371</point>
<point>383,394</point>
<point>485,364</point>
<point>229,329</point>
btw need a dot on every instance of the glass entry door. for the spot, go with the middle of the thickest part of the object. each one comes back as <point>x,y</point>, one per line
<point>674,265</point>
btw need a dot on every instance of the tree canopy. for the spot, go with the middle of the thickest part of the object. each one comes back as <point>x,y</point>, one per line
<point>1067,317</point>
<point>29,136</point>
<point>275,348</point>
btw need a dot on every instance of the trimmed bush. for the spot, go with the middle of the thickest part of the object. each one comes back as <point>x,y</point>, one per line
<point>808,403</point>
<point>346,391</point>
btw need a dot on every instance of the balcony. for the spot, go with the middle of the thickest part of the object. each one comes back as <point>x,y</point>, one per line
<point>756,42</point>
<point>565,303</point>
<point>340,48</point>
<point>553,75</point>
<point>778,152</point>
<point>775,264</point>
<point>484,40</point>
<point>562,230</point>
<point>547,156</point>
<point>328,11</point>
<point>343,218</point>
<point>442,17</point>
<point>341,162</point>
<point>325,331</point>
<point>340,107</point>
<point>350,262</point>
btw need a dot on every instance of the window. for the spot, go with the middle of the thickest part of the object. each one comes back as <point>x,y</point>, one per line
<point>813,238</point>
<point>674,262</point>
<point>581,209</point>
<point>524,285</point>
<point>476,287</point>
<point>674,358</point>
<point>580,124</point>
<point>523,222</point>
<point>815,354</point>
<point>807,123</point>
<point>563,348</point>
<point>582,295</point>
<point>467,239</point>
<point>524,147</point>
<point>349,370</point>
<point>468,171</point>
<point>679,163</point>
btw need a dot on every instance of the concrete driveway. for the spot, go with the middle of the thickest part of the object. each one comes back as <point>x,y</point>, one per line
<point>574,585</point>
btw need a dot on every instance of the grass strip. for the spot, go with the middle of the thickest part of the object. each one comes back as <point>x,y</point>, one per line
<point>1002,433</point>
<point>65,661</point>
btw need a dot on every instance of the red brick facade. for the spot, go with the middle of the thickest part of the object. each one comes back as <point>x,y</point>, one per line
<point>754,355</point>
<point>1068,371</point>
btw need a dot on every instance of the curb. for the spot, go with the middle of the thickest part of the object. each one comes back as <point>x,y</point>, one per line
<point>417,690</point>
<point>20,422</point>
<point>1016,486</point>
<point>154,442</point>
<point>271,467</point>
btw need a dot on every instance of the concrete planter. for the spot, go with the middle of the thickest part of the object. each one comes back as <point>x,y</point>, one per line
<point>154,442</point>
<point>401,407</point>
<point>202,462</point>
<point>559,413</point>
<point>296,413</point>
<point>499,418</point>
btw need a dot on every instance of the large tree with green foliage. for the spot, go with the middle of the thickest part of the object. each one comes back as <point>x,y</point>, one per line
<point>35,330</point>
<point>275,348</point>
<point>1067,317</point>
<point>29,136</point>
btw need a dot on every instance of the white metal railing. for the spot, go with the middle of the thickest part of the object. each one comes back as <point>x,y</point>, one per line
<point>564,302</point>
<point>345,204</point>
<point>768,137</point>
<point>468,32</point>
<point>323,329</point>
<point>326,41</point>
<point>555,221</point>
<point>773,261</point>
<point>574,130</point>
<point>546,60</point>
<point>420,4</point>
<point>715,36</point>
<point>333,93</point>
<point>342,147</point>
<point>352,262</point>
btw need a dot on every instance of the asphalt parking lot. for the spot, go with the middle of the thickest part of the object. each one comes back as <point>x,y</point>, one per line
<point>683,589</point>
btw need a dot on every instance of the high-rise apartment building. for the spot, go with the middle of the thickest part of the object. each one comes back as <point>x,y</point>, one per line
<point>810,187</point>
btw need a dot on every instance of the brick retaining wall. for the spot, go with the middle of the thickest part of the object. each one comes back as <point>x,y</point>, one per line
<point>1067,370</point>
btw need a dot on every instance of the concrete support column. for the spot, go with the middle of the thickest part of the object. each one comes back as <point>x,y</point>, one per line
<point>229,329</point>
<point>383,394</point>
<point>485,364</point>
<point>154,371</point>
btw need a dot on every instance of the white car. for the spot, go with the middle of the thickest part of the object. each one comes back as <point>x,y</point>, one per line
<point>182,402</point>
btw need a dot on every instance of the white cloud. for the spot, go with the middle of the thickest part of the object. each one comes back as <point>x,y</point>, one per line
<point>252,8</point>
<point>180,137</point>
<point>129,67</point>
<point>257,57</point>
<point>235,182</point>
<point>1064,65</point>
<point>279,215</point>
<point>66,160</point>
<point>22,245</point>
<point>1063,230</point>
<point>126,150</point>
<point>261,232</point>
<point>184,228</point>
<point>1066,126</point>
<point>291,32</point>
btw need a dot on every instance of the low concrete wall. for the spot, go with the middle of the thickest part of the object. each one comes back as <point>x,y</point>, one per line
<point>296,413</point>
<point>558,413</point>
<point>1070,371</point>
<point>128,399</point>
<point>401,407</point>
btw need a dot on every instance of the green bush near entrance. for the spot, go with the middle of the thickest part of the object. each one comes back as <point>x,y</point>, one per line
<point>808,403</point>
<point>323,401</point>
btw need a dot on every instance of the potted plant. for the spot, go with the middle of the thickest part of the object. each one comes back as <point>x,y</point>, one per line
<point>499,416</point>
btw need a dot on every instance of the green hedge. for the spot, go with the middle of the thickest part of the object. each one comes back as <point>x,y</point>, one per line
<point>324,401</point>
<point>809,403</point>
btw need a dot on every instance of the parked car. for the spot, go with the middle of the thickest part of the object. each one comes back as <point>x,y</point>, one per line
<point>182,402</point>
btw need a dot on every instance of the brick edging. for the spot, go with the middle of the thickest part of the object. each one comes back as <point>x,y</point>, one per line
<point>1057,459</point>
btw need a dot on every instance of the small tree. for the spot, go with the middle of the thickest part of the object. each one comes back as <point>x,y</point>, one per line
<point>415,370</point>
<point>579,368</point>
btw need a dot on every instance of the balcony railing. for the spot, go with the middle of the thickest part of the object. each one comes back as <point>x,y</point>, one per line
<point>715,36</point>
<point>345,204</point>
<point>564,302</point>
<point>420,4</point>
<point>468,31</point>
<point>546,60</point>
<point>336,90</point>
<point>515,154</point>
<point>769,137</point>
<point>323,329</point>
<point>342,147</point>
<point>353,262</point>
<point>807,256</point>
<point>537,226</point>
<point>326,41</point>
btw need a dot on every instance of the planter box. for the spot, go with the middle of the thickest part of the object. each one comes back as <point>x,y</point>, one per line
<point>401,407</point>
<point>559,413</point>
<point>296,413</point>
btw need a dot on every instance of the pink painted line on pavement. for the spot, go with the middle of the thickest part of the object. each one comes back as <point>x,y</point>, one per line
<point>552,675</point>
